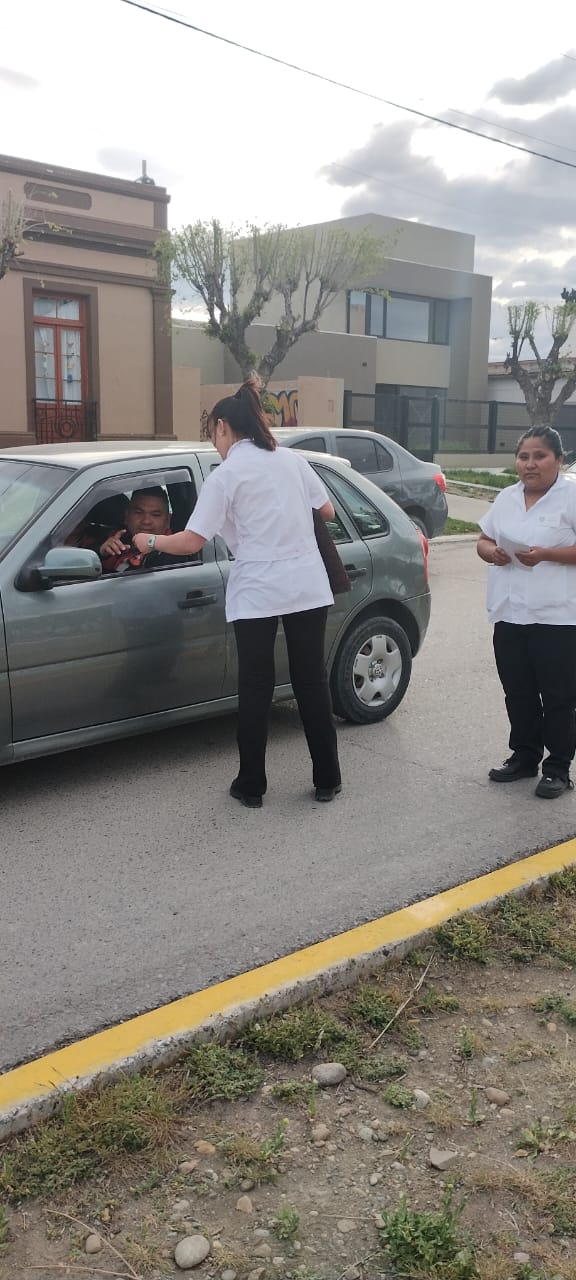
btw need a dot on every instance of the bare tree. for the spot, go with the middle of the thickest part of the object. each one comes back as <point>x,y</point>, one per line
<point>538,384</point>
<point>236,274</point>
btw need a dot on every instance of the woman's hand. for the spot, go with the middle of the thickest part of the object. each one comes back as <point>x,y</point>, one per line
<point>499,557</point>
<point>534,556</point>
<point>140,541</point>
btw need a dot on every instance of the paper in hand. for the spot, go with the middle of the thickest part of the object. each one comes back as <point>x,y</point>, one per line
<point>511,548</point>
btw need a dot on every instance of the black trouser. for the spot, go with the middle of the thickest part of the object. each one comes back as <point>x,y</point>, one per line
<point>537,669</point>
<point>305,641</point>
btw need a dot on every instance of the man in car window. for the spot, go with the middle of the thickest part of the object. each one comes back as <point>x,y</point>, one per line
<point>148,512</point>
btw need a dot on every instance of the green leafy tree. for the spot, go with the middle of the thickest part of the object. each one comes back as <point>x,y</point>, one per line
<point>237,273</point>
<point>538,384</point>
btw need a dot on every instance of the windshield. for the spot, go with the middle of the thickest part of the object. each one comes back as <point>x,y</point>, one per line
<point>25,488</point>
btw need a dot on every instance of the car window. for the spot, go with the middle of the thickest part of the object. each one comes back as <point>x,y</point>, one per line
<point>339,533</point>
<point>361,454</point>
<point>25,488</point>
<point>104,511</point>
<point>369,521</point>
<point>384,457</point>
<point>316,443</point>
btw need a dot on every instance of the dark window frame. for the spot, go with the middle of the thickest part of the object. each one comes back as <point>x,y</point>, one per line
<point>436,325</point>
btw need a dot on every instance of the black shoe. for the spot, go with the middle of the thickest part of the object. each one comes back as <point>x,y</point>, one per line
<point>249,802</point>
<point>550,787</point>
<point>325,794</point>
<point>512,770</point>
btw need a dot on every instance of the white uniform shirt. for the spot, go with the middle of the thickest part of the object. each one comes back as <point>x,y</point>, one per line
<point>547,592</point>
<point>260,501</point>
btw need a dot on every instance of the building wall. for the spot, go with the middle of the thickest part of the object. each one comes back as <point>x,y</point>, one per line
<point>90,236</point>
<point>415,364</point>
<point>309,402</point>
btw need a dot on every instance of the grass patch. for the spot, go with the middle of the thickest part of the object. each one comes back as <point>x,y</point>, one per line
<point>530,926</point>
<point>381,1067</point>
<point>460,526</point>
<point>550,1194</point>
<point>540,1138</point>
<point>468,1044</point>
<point>213,1072</point>
<point>482,477</point>
<point>3,1229</point>
<point>428,1244</point>
<point>94,1131</point>
<point>397,1096</point>
<point>373,1005</point>
<point>300,1031</point>
<point>434,1001</point>
<point>252,1159</point>
<point>465,938</point>
<point>300,1093</point>
<point>563,1008</point>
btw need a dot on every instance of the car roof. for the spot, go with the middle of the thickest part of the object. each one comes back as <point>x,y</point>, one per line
<point>289,433</point>
<point>88,453</point>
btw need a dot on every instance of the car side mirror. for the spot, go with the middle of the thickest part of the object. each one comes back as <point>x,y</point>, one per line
<point>69,564</point>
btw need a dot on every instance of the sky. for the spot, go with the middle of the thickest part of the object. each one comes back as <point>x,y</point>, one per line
<point>100,85</point>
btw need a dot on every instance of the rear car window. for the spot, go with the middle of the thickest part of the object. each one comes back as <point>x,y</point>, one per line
<point>25,489</point>
<point>369,521</point>
<point>316,443</point>
<point>361,454</point>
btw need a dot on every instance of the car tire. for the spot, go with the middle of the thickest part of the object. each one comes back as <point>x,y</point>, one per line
<point>419,522</point>
<point>372,671</point>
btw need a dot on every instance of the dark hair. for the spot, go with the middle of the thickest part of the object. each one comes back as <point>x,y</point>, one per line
<point>547,435</point>
<point>245,416</point>
<point>155,491</point>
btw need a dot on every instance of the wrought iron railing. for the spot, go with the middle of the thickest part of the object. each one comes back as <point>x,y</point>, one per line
<point>64,421</point>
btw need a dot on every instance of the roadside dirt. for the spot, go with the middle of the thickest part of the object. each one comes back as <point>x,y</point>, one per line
<point>333,1183</point>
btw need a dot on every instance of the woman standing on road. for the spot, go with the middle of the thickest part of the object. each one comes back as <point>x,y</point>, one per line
<point>261,501</point>
<point>529,540</point>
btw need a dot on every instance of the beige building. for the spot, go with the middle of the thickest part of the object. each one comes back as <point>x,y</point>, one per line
<point>427,339</point>
<point>85,338</point>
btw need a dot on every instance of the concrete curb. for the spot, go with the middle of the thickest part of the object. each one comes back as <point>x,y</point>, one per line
<point>453,537</point>
<point>32,1092</point>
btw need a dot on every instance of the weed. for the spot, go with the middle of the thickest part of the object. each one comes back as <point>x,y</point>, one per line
<point>465,938</point>
<point>410,1035</point>
<point>428,1244</point>
<point>252,1159</point>
<point>133,1115</point>
<point>540,1138</point>
<point>301,1093</point>
<point>559,1005</point>
<point>562,884</point>
<point>372,1005</point>
<point>214,1071</point>
<point>468,1043</point>
<point>440,1114</point>
<point>381,1067</point>
<point>435,1001</point>
<point>287,1222</point>
<point>474,1116</point>
<point>526,1051</point>
<point>397,1096</point>
<point>305,1029</point>
<point>3,1229</point>
<point>460,526</point>
<point>492,479</point>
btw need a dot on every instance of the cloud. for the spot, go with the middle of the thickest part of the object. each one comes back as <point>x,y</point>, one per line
<point>17,79</point>
<point>547,84</point>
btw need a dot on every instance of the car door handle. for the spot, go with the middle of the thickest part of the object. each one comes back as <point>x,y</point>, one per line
<point>353,572</point>
<point>196,600</point>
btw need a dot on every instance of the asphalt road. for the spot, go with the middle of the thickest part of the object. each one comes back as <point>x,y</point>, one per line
<point>129,876</point>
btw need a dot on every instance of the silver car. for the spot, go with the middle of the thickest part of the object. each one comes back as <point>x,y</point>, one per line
<point>418,487</point>
<point>87,656</point>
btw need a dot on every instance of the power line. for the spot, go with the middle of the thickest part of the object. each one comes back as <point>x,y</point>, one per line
<point>339,84</point>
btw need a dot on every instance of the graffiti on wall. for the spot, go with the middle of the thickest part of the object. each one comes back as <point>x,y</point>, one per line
<point>284,405</point>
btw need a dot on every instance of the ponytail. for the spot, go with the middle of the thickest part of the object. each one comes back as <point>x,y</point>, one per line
<point>245,416</point>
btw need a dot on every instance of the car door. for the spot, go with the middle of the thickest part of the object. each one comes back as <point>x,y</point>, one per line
<point>84,654</point>
<point>373,459</point>
<point>5,708</point>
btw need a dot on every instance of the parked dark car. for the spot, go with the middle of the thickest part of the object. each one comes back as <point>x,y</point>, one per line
<point>87,656</point>
<point>418,487</point>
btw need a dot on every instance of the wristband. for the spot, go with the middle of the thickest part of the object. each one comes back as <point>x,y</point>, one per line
<point>151,541</point>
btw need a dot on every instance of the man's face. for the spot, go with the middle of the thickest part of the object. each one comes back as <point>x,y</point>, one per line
<point>147,515</point>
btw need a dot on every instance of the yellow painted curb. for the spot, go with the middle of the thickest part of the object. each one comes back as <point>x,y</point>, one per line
<point>46,1077</point>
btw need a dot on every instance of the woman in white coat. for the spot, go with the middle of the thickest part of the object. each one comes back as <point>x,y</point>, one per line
<point>529,540</point>
<point>260,500</point>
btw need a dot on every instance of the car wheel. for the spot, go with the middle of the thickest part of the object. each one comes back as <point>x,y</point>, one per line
<point>372,671</point>
<point>419,522</point>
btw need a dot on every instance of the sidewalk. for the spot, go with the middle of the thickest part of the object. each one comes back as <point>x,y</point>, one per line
<point>464,508</point>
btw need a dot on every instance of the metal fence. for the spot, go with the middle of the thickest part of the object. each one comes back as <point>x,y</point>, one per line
<point>427,425</point>
<point>62,421</point>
